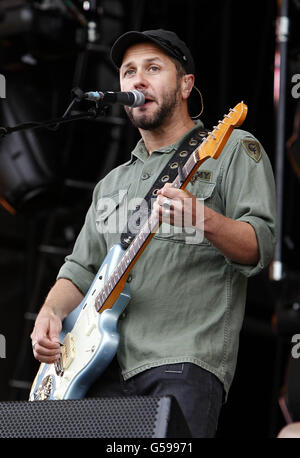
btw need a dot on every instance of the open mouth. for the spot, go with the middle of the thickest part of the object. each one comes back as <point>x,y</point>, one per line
<point>148,101</point>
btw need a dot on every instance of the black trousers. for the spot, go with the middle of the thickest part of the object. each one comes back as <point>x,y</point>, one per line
<point>198,392</point>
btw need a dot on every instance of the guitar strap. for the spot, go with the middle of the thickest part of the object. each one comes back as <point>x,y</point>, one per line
<point>169,173</point>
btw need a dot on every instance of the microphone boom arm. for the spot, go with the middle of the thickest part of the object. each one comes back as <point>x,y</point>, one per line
<point>53,124</point>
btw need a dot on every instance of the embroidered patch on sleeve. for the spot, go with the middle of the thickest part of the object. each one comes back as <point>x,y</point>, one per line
<point>252,148</point>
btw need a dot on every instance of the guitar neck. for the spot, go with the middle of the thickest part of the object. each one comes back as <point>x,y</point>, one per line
<point>211,146</point>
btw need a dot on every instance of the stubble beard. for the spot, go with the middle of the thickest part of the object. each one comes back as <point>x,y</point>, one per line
<point>151,122</point>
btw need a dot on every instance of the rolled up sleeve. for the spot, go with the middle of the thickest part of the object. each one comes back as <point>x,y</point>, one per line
<point>249,190</point>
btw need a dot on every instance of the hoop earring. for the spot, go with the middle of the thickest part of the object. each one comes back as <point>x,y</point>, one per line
<point>202,104</point>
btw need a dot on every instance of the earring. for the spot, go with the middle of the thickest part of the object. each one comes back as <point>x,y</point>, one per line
<point>202,104</point>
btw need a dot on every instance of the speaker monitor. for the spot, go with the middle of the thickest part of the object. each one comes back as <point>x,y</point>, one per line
<point>131,417</point>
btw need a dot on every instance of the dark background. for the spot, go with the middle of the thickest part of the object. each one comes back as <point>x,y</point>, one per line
<point>47,48</point>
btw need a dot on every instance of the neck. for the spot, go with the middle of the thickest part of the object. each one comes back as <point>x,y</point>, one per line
<point>168,133</point>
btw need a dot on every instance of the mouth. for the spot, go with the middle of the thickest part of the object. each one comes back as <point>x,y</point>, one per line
<point>148,101</point>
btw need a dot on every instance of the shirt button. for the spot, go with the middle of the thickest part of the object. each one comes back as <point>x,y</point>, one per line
<point>129,278</point>
<point>145,176</point>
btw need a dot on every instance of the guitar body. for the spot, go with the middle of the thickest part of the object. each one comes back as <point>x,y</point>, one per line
<point>90,341</point>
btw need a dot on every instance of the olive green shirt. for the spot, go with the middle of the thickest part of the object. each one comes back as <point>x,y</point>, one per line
<point>188,299</point>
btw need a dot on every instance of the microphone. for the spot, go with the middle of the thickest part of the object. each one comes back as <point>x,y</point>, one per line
<point>131,98</point>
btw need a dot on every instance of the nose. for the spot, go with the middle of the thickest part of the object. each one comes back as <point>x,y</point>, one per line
<point>140,81</point>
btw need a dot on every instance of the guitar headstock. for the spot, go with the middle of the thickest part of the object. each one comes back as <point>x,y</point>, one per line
<point>213,144</point>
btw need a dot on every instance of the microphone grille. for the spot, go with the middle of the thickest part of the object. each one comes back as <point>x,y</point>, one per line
<point>139,98</point>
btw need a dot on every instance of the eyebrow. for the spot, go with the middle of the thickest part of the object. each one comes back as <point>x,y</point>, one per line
<point>148,60</point>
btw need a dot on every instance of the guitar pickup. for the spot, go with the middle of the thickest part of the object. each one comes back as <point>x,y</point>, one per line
<point>68,351</point>
<point>90,323</point>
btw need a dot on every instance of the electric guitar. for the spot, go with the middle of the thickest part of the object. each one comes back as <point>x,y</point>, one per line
<point>89,334</point>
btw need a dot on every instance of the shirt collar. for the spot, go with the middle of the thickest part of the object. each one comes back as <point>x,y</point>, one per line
<point>141,153</point>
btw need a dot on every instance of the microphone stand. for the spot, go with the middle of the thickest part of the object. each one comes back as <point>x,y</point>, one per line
<point>276,267</point>
<point>53,124</point>
<point>280,77</point>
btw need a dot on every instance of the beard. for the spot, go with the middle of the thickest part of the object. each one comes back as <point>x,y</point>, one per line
<point>153,121</point>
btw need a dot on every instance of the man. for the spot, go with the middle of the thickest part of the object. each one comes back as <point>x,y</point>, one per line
<point>179,335</point>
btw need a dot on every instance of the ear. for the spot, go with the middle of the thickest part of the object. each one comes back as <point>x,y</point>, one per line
<point>187,84</point>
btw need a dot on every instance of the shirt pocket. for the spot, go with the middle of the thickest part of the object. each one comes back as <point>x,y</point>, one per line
<point>188,235</point>
<point>111,215</point>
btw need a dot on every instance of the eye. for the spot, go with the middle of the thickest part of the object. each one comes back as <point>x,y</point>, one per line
<point>153,68</point>
<point>128,72</point>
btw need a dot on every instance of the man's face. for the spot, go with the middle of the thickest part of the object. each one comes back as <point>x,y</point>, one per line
<point>148,69</point>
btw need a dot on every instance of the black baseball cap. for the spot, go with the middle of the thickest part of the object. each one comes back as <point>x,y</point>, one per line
<point>165,39</point>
